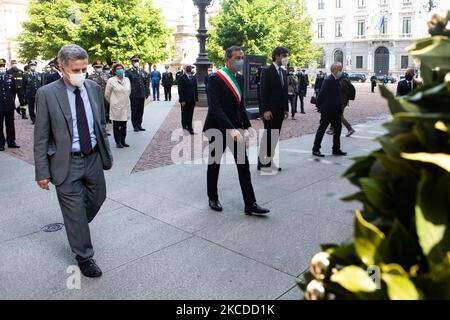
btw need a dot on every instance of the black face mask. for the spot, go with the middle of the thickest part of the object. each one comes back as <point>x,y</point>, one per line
<point>188,71</point>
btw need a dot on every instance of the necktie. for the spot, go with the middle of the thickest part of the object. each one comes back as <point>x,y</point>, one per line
<point>280,73</point>
<point>82,125</point>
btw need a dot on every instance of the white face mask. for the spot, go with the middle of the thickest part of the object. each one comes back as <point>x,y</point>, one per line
<point>77,79</point>
<point>285,61</point>
<point>33,68</point>
<point>136,64</point>
<point>14,66</point>
<point>2,70</point>
<point>339,74</point>
<point>238,65</point>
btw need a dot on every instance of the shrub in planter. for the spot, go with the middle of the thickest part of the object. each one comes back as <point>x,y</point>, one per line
<point>401,243</point>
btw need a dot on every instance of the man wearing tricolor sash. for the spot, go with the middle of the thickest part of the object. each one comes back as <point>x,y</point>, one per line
<point>225,125</point>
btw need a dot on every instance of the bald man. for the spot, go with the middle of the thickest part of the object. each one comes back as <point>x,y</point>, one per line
<point>406,85</point>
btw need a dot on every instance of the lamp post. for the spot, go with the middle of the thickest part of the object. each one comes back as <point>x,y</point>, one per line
<point>202,63</point>
<point>429,5</point>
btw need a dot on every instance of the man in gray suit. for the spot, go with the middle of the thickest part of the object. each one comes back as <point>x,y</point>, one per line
<point>71,150</point>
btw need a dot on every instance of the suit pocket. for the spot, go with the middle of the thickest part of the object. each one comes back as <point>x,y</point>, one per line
<point>51,149</point>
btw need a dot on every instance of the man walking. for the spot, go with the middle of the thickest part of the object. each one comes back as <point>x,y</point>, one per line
<point>71,150</point>
<point>188,94</point>
<point>32,81</point>
<point>155,77</point>
<point>275,100</point>
<point>167,82</point>
<point>329,104</point>
<point>140,90</point>
<point>225,121</point>
<point>7,106</point>
<point>406,85</point>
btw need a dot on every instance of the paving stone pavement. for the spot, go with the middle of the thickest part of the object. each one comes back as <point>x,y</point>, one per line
<point>155,237</point>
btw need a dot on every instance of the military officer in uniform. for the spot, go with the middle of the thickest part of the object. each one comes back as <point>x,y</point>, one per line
<point>140,90</point>
<point>17,74</point>
<point>100,78</point>
<point>7,106</point>
<point>32,81</point>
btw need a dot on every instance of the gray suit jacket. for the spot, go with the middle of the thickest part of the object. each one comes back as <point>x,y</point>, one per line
<point>53,130</point>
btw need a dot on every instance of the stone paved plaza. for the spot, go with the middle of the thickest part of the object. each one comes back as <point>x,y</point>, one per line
<point>155,237</point>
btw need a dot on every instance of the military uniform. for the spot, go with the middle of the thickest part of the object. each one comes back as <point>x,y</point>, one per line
<point>7,107</point>
<point>101,79</point>
<point>18,74</point>
<point>32,81</point>
<point>140,90</point>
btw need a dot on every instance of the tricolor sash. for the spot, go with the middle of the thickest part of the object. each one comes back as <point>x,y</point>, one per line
<point>231,82</point>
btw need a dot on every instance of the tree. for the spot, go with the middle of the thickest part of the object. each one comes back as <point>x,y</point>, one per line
<point>111,30</point>
<point>258,26</point>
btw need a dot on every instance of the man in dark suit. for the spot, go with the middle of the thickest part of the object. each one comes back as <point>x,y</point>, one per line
<point>275,101</point>
<point>188,94</point>
<point>373,82</point>
<point>167,82</point>
<point>225,121</point>
<point>140,90</point>
<point>303,81</point>
<point>329,104</point>
<point>406,85</point>
<point>319,81</point>
<point>71,150</point>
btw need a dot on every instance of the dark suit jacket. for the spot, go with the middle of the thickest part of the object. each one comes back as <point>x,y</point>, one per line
<point>7,93</point>
<point>302,84</point>
<point>53,132</point>
<point>403,88</point>
<point>329,98</point>
<point>187,89</point>
<point>224,112</point>
<point>274,97</point>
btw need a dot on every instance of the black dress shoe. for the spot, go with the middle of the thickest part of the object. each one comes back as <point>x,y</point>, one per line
<point>136,130</point>
<point>125,145</point>
<point>18,110</point>
<point>119,146</point>
<point>2,148</point>
<point>318,154</point>
<point>254,209</point>
<point>191,131</point>
<point>90,269</point>
<point>13,146</point>
<point>215,205</point>
<point>339,153</point>
<point>141,129</point>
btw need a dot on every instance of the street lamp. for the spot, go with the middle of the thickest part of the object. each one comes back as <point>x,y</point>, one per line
<point>429,5</point>
<point>202,63</point>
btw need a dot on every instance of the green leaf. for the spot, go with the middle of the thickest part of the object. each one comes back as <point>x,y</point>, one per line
<point>432,221</point>
<point>377,192</point>
<point>399,286</point>
<point>440,159</point>
<point>394,104</point>
<point>354,279</point>
<point>399,246</point>
<point>367,240</point>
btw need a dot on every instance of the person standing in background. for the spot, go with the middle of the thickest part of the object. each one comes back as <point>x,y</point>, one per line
<point>373,82</point>
<point>7,107</point>
<point>406,85</point>
<point>32,81</point>
<point>117,93</point>
<point>140,90</point>
<point>188,94</point>
<point>18,75</point>
<point>167,82</point>
<point>303,81</point>
<point>155,77</point>
<point>292,91</point>
<point>99,77</point>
